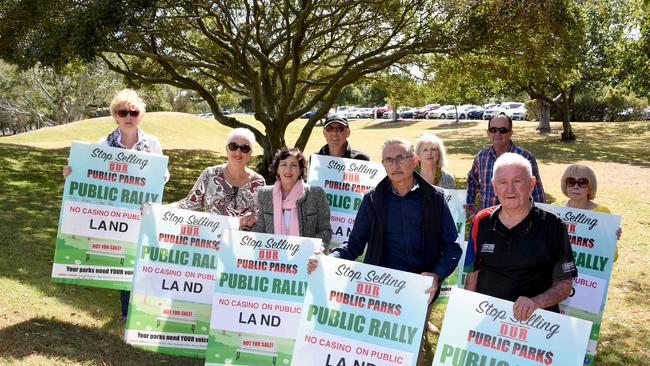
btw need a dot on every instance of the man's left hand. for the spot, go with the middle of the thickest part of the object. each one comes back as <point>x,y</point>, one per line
<point>434,285</point>
<point>524,307</point>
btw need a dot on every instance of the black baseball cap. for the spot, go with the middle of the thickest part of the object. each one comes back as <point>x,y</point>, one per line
<point>336,119</point>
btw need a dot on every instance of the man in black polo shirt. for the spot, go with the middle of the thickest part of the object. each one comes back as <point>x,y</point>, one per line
<point>336,131</point>
<point>522,253</point>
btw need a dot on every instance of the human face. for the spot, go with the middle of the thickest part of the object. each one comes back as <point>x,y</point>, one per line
<point>429,154</point>
<point>399,172</point>
<point>513,187</point>
<point>500,141</point>
<point>237,156</point>
<point>575,192</point>
<point>128,122</point>
<point>336,135</point>
<point>289,171</point>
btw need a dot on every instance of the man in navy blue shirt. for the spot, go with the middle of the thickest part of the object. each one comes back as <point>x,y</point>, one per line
<point>405,223</point>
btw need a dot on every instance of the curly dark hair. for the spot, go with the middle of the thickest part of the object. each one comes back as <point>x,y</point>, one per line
<point>284,153</point>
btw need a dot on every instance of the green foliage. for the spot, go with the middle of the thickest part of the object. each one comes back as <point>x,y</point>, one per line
<point>285,57</point>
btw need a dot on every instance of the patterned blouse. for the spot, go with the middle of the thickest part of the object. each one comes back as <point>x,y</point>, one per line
<point>213,193</point>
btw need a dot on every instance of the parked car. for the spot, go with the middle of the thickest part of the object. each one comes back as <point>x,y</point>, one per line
<point>363,113</point>
<point>388,114</point>
<point>352,113</point>
<point>515,110</point>
<point>474,112</point>
<point>379,111</point>
<point>422,111</point>
<point>308,115</point>
<point>406,112</point>
<point>430,113</point>
<point>464,109</point>
<point>444,112</point>
<point>493,111</point>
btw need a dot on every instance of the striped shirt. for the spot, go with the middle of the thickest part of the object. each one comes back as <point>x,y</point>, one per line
<point>479,177</point>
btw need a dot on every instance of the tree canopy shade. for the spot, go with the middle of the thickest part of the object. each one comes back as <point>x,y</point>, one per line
<point>286,56</point>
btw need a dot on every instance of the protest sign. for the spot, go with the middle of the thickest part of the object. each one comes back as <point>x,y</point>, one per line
<point>258,295</point>
<point>482,330</point>
<point>455,200</point>
<point>171,299</point>
<point>100,214</point>
<point>344,182</point>
<point>593,241</point>
<point>360,314</point>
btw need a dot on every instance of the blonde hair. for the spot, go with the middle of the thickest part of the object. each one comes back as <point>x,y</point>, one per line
<point>437,142</point>
<point>127,97</point>
<point>577,170</point>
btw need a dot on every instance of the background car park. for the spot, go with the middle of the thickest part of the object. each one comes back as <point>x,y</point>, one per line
<point>422,111</point>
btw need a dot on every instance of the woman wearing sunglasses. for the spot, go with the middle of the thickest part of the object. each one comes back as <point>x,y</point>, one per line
<point>579,185</point>
<point>228,189</point>
<point>291,207</point>
<point>127,109</point>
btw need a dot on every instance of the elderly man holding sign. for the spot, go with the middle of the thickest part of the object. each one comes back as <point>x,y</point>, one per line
<point>522,253</point>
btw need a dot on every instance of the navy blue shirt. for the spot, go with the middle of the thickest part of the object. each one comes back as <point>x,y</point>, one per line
<point>403,232</point>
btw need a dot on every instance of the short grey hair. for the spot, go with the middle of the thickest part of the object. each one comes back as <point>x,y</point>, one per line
<point>241,132</point>
<point>512,159</point>
<point>437,142</point>
<point>398,140</point>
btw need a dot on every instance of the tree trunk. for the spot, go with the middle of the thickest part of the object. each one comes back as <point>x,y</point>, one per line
<point>456,109</point>
<point>567,131</point>
<point>544,125</point>
<point>271,144</point>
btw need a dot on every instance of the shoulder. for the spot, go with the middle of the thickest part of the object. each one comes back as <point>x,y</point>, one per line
<point>358,155</point>
<point>601,208</point>
<point>485,214</point>
<point>523,152</point>
<point>314,190</point>
<point>545,216</point>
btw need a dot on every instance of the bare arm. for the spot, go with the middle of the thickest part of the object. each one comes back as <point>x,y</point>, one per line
<point>525,306</point>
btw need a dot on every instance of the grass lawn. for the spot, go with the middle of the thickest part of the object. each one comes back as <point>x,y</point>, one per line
<point>45,323</point>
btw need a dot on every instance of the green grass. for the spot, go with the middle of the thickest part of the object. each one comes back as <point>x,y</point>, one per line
<point>45,323</point>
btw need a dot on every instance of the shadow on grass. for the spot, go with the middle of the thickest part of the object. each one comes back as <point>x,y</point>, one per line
<point>390,124</point>
<point>597,142</point>
<point>59,340</point>
<point>454,125</point>
<point>31,190</point>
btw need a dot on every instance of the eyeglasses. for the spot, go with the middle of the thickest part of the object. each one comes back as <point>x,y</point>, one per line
<point>233,146</point>
<point>123,113</point>
<point>399,159</point>
<point>581,182</point>
<point>502,130</point>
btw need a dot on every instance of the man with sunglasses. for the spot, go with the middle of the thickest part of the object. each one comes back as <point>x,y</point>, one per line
<point>521,253</point>
<point>336,131</point>
<point>478,179</point>
<point>405,224</point>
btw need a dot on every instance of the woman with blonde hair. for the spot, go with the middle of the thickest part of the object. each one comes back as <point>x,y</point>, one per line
<point>433,158</point>
<point>579,185</point>
<point>127,110</point>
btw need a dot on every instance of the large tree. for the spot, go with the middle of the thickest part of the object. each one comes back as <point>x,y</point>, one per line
<point>287,57</point>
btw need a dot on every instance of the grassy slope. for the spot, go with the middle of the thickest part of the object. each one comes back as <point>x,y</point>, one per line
<point>46,323</point>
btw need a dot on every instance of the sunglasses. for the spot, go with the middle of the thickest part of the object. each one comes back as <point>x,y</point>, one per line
<point>233,146</point>
<point>502,130</point>
<point>123,113</point>
<point>581,182</point>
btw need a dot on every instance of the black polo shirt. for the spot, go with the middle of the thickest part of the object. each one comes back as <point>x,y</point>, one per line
<point>525,260</point>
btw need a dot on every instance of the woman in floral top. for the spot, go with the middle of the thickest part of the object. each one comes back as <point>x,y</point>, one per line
<point>228,189</point>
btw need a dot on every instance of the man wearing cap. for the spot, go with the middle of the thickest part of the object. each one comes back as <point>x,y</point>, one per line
<point>478,179</point>
<point>336,131</point>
